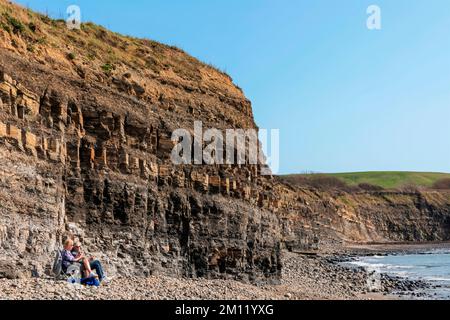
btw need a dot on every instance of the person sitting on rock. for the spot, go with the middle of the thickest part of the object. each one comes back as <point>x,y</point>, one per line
<point>68,259</point>
<point>94,264</point>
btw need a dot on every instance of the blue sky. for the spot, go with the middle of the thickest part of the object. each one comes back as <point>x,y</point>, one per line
<point>344,98</point>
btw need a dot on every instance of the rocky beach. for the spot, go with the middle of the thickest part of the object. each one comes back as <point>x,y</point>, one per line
<point>305,277</point>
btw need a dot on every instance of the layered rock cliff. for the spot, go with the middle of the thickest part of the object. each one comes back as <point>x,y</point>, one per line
<point>315,219</point>
<point>84,144</point>
<point>86,118</point>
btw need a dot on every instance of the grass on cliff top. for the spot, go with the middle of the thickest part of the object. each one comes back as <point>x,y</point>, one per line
<point>384,179</point>
<point>94,45</point>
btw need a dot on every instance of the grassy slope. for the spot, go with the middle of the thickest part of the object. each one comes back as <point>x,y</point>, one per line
<point>101,51</point>
<point>390,180</point>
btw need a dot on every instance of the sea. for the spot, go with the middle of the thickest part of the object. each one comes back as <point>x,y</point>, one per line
<point>432,266</point>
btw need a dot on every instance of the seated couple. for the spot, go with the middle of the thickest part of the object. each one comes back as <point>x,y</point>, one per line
<point>72,254</point>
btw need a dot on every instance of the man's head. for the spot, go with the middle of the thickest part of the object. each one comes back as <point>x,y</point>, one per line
<point>68,244</point>
<point>76,246</point>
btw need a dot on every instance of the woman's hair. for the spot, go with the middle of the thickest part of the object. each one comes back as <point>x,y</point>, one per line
<point>68,242</point>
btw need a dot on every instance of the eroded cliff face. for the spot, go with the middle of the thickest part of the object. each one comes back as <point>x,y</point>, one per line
<point>73,165</point>
<point>85,149</point>
<point>324,220</point>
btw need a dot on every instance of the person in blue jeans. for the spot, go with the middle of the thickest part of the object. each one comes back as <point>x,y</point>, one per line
<point>97,266</point>
<point>94,264</point>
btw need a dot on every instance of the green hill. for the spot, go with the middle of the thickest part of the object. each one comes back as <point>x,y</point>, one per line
<point>385,179</point>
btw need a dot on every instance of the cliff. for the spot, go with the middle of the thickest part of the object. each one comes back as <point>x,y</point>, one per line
<point>86,118</point>
<point>333,219</point>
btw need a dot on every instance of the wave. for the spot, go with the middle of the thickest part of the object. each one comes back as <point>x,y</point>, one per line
<point>392,266</point>
<point>437,278</point>
<point>381,265</point>
<point>369,264</point>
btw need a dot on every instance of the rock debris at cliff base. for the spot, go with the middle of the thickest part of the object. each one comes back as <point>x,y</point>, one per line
<point>303,278</point>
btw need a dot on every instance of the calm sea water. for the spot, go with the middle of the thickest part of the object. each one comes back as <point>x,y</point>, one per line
<point>433,267</point>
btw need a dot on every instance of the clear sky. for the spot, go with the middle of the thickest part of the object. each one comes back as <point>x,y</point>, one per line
<point>344,98</point>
